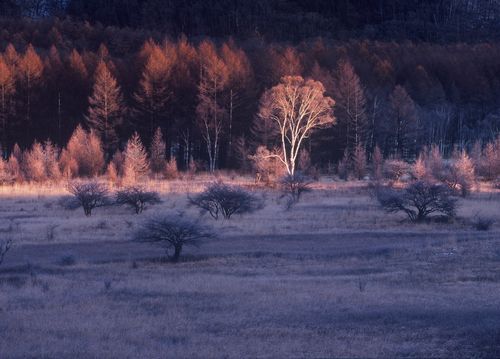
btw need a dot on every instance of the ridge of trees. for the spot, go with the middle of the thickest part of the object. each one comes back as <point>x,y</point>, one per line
<point>428,20</point>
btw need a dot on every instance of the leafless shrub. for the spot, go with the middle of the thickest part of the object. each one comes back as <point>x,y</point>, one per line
<point>137,198</point>
<point>172,232</point>
<point>220,199</point>
<point>496,183</point>
<point>418,200</point>
<point>89,195</point>
<point>293,186</point>
<point>4,248</point>
<point>67,260</point>
<point>482,224</point>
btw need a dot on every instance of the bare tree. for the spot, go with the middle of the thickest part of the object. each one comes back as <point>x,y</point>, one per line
<point>210,112</point>
<point>89,195</point>
<point>222,200</point>
<point>418,200</point>
<point>173,232</point>
<point>297,107</point>
<point>350,109</point>
<point>137,198</point>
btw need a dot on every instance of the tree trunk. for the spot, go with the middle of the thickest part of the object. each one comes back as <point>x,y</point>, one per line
<point>177,253</point>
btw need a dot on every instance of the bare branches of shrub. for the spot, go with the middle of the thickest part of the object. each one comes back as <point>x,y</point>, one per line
<point>293,186</point>
<point>172,232</point>
<point>137,198</point>
<point>482,223</point>
<point>418,200</point>
<point>90,195</point>
<point>220,199</point>
<point>4,248</point>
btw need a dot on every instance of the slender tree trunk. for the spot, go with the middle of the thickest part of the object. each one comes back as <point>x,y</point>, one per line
<point>177,253</point>
<point>59,135</point>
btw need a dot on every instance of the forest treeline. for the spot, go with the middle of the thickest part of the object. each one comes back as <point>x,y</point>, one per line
<point>57,74</point>
<point>428,20</point>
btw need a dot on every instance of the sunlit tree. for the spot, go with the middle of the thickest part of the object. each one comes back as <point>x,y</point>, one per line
<point>210,111</point>
<point>297,107</point>
<point>136,163</point>
<point>106,107</point>
<point>7,90</point>
<point>154,92</point>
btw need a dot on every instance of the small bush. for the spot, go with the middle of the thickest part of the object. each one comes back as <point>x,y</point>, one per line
<point>89,195</point>
<point>67,260</point>
<point>482,224</point>
<point>496,183</point>
<point>223,200</point>
<point>266,164</point>
<point>418,200</point>
<point>4,248</point>
<point>137,198</point>
<point>293,186</point>
<point>172,232</point>
<point>395,169</point>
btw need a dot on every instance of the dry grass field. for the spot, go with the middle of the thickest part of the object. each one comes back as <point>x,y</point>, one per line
<point>335,276</point>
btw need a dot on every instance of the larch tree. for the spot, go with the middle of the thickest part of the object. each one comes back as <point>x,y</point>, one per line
<point>403,123</point>
<point>7,90</point>
<point>154,92</point>
<point>30,72</point>
<point>136,163</point>
<point>77,87</point>
<point>85,149</point>
<point>106,107</point>
<point>350,109</point>
<point>185,82</point>
<point>158,152</point>
<point>239,75</point>
<point>11,56</point>
<point>34,163</point>
<point>210,111</point>
<point>297,107</point>
<point>55,80</point>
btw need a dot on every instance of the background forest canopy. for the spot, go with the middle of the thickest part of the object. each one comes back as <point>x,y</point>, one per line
<point>426,83</point>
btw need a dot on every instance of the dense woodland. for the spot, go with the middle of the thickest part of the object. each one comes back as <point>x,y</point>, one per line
<point>58,72</point>
<point>428,20</point>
